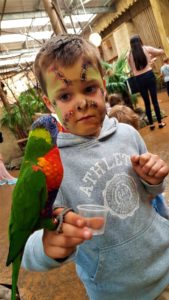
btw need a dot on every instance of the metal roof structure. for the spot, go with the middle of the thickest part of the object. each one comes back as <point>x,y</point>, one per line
<point>25,25</point>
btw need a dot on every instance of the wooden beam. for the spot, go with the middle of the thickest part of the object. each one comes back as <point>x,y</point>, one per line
<point>55,17</point>
<point>91,10</point>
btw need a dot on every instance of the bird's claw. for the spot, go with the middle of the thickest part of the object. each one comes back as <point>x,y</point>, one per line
<point>59,219</point>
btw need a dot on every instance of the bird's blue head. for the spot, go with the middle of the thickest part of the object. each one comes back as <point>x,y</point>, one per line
<point>49,123</point>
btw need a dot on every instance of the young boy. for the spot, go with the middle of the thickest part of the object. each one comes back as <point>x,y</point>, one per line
<point>105,162</point>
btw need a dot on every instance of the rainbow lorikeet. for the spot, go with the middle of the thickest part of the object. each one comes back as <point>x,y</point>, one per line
<point>35,191</point>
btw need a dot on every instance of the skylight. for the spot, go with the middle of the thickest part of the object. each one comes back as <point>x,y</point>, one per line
<point>11,38</point>
<point>6,24</point>
<point>32,23</point>
<point>25,30</point>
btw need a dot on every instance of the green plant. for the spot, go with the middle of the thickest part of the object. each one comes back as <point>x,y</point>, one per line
<point>20,116</point>
<point>14,121</point>
<point>31,102</point>
<point>159,81</point>
<point>116,77</point>
<point>134,99</point>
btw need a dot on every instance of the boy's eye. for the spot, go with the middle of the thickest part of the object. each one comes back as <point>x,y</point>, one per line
<point>91,89</point>
<point>64,97</point>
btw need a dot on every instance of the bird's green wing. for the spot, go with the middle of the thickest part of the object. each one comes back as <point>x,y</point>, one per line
<point>29,198</point>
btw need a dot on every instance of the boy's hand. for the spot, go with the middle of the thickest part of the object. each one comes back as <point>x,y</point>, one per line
<point>74,233</point>
<point>150,167</point>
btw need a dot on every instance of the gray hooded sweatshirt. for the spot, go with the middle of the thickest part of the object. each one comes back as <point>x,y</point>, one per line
<point>131,259</point>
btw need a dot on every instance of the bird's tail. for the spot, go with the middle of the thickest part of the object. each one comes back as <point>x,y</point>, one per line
<point>15,274</point>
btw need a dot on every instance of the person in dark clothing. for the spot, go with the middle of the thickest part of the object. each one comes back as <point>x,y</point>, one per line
<point>140,59</point>
<point>1,137</point>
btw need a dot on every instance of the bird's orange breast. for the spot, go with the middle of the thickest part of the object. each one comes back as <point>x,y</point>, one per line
<point>51,166</point>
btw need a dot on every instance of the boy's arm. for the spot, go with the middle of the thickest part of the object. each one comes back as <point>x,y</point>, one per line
<point>151,169</point>
<point>46,249</point>
<point>34,257</point>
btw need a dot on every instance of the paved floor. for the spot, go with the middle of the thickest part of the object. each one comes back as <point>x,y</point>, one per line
<point>63,284</point>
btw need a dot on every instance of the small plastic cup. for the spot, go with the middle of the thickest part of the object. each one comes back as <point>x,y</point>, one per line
<point>94,211</point>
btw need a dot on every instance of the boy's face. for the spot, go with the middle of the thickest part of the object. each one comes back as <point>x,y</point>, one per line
<point>77,94</point>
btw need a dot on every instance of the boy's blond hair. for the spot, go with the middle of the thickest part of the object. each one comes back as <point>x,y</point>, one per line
<point>65,49</point>
<point>125,114</point>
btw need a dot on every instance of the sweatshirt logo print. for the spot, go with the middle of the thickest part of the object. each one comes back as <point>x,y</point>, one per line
<point>120,195</point>
<point>119,188</point>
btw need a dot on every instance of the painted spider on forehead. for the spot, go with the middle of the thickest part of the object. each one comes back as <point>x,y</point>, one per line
<point>61,76</point>
<point>83,75</point>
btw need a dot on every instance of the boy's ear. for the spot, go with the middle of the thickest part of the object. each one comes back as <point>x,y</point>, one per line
<point>104,84</point>
<point>48,104</point>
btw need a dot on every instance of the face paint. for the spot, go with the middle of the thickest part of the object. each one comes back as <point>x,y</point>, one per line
<point>92,103</point>
<point>84,70</point>
<point>93,74</point>
<point>57,81</point>
<point>59,114</point>
<point>67,117</point>
<point>61,76</point>
<point>52,84</point>
<point>89,103</point>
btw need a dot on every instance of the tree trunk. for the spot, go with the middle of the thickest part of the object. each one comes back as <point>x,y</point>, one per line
<point>4,100</point>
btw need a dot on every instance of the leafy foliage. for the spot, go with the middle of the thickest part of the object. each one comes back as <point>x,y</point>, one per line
<point>31,102</point>
<point>116,77</point>
<point>20,117</point>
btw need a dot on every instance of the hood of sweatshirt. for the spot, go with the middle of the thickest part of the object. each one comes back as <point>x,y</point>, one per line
<point>67,139</point>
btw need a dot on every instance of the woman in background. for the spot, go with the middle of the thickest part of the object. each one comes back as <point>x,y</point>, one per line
<point>140,60</point>
<point>5,177</point>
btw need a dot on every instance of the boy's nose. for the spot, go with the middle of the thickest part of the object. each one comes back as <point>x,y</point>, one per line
<point>82,104</point>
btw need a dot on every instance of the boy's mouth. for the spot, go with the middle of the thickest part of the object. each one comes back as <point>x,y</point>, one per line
<point>85,118</point>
